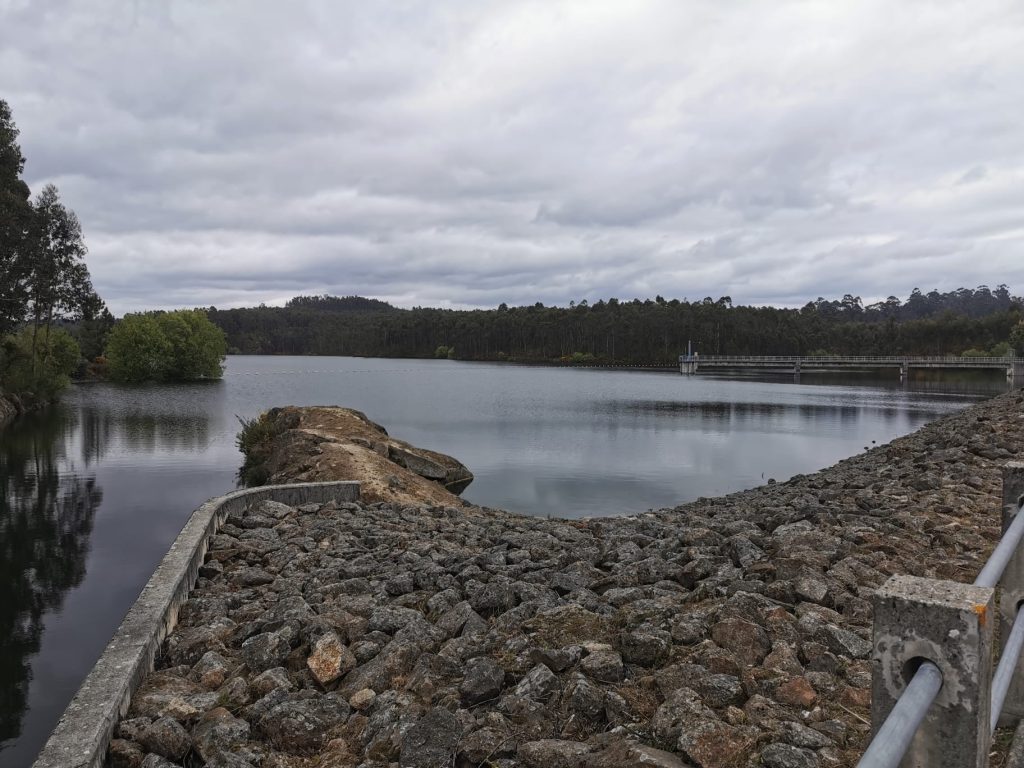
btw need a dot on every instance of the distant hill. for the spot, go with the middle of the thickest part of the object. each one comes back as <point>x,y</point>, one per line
<point>327,303</point>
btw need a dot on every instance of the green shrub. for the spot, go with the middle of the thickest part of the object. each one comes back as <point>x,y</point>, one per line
<point>174,346</point>
<point>581,358</point>
<point>1002,349</point>
<point>255,441</point>
<point>38,376</point>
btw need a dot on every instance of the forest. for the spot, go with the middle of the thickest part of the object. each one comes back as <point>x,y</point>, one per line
<point>642,332</point>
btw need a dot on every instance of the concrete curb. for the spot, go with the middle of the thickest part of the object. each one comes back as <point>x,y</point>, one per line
<point>84,731</point>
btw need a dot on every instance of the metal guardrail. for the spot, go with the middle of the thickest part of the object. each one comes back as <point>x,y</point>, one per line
<point>894,359</point>
<point>946,713</point>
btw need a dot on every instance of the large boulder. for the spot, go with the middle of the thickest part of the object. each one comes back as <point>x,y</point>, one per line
<point>324,443</point>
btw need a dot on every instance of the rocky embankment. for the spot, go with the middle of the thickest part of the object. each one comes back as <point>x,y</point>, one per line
<point>727,632</point>
<point>321,443</point>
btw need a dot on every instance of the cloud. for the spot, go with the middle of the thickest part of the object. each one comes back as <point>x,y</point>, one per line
<point>465,153</point>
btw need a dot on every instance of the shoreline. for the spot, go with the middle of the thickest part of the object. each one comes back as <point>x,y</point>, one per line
<point>725,631</point>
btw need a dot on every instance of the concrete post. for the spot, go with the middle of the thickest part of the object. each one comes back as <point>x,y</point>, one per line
<point>951,625</point>
<point>1012,586</point>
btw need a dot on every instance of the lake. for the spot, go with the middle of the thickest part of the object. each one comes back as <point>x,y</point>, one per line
<point>92,492</point>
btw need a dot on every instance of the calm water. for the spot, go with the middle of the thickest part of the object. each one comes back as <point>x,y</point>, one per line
<point>93,492</point>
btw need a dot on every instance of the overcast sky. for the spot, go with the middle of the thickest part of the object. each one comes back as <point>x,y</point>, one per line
<point>466,153</point>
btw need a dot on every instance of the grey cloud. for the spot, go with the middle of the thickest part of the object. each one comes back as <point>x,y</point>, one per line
<point>467,153</point>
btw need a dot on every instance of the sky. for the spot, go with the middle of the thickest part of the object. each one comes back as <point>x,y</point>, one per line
<point>464,153</point>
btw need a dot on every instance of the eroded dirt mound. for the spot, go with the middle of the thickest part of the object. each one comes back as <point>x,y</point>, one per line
<point>321,443</point>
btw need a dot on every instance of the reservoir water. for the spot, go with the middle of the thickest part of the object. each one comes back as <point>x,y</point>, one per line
<point>92,492</point>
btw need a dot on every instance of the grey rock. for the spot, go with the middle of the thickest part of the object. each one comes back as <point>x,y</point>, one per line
<point>390,620</point>
<point>265,650</point>
<point>493,598</point>
<point>486,744</point>
<point>688,630</point>
<point>801,736</point>
<point>271,679</point>
<point>747,640</point>
<point>553,753</point>
<point>679,707</point>
<point>395,660</point>
<point>165,737</point>
<point>843,641</point>
<point>604,666</point>
<point>218,731</point>
<point>211,670</point>
<point>131,728</point>
<point>629,753</point>
<point>460,619</point>
<point>483,680</point>
<point>432,742</point>
<point>557,660</point>
<point>400,584</point>
<point>299,724</point>
<point>155,761</point>
<point>788,756</point>
<point>811,589</point>
<point>743,551</point>
<point>538,684</point>
<point>645,646</point>
<point>586,700</point>
<point>122,753</point>
<point>250,577</point>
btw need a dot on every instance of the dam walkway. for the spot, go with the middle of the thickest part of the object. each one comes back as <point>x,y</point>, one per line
<point>1014,366</point>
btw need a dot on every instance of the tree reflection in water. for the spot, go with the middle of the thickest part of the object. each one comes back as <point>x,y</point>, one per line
<point>46,518</point>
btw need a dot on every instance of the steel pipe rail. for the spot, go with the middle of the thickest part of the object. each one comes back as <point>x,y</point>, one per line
<point>893,738</point>
<point>897,732</point>
<point>992,572</point>
<point>1007,667</point>
<point>852,358</point>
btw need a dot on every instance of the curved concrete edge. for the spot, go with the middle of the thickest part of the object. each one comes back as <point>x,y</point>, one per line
<point>83,733</point>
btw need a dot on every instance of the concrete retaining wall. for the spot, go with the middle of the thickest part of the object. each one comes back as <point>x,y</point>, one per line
<point>84,731</point>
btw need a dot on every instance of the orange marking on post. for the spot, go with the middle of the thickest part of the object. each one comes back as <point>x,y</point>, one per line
<point>981,610</point>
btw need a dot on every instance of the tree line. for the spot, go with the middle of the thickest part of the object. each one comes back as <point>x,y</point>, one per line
<point>652,331</point>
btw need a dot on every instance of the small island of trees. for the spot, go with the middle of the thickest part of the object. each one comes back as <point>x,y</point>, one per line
<point>166,346</point>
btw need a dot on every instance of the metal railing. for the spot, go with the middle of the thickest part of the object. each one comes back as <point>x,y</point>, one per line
<point>946,713</point>
<point>893,359</point>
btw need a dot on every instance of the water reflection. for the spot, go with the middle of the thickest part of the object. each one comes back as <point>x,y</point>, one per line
<point>148,420</point>
<point>46,518</point>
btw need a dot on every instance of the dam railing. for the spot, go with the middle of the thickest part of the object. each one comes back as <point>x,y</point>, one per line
<point>936,700</point>
<point>691,364</point>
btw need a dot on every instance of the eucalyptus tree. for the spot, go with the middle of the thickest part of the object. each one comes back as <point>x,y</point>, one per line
<point>58,281</point>
<point>15,219</point>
